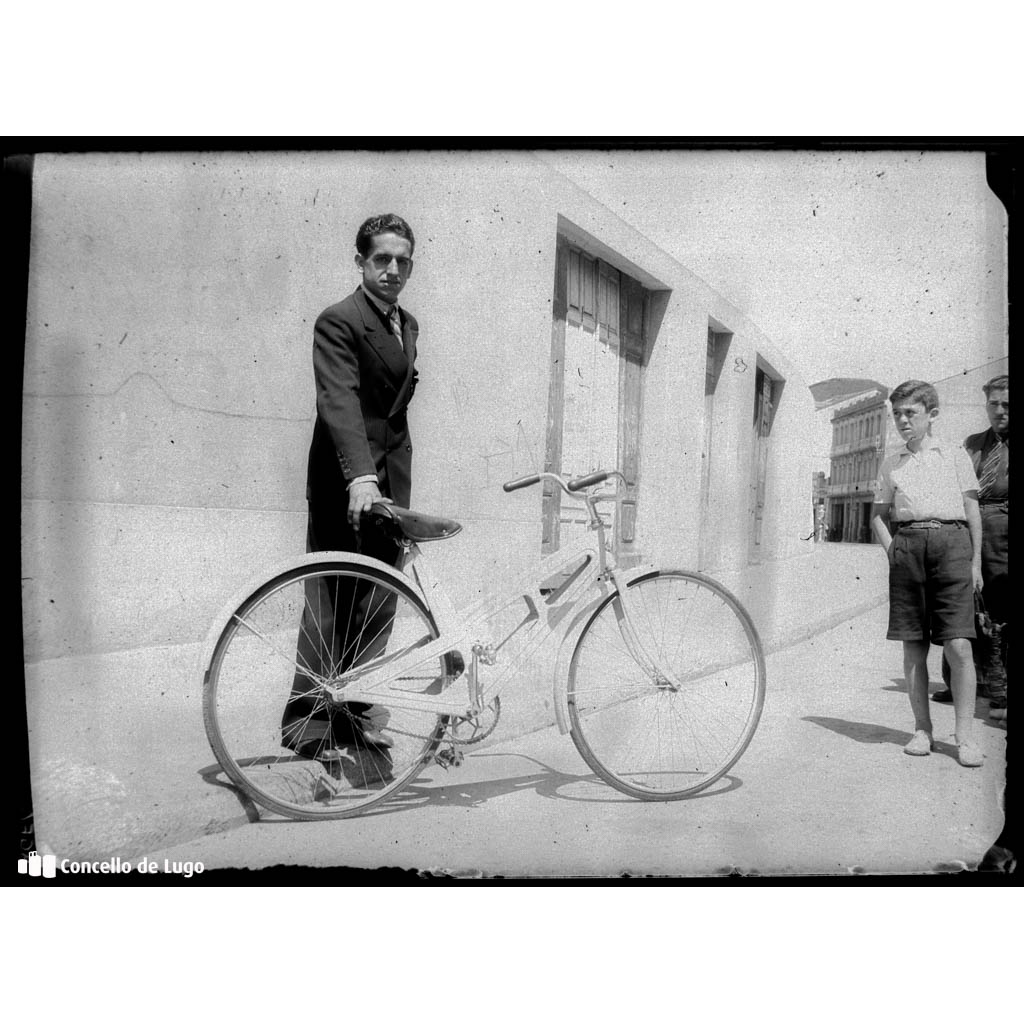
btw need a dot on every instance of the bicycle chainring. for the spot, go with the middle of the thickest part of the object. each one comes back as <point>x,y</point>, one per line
<point>466,731</point>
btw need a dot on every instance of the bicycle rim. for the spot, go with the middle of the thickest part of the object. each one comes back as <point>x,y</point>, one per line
<point>671,738</point>
<point>264,685</point>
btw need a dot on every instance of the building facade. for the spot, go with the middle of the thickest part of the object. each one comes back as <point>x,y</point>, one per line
<point>861,429</point>
<point>169,400</point>
<point>819,505</point>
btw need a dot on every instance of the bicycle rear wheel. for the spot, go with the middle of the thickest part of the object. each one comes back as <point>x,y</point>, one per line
<point>670,738</point>
<point>264,690</point>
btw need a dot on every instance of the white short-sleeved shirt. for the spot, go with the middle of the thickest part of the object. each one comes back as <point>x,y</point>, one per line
<point>926,484</point>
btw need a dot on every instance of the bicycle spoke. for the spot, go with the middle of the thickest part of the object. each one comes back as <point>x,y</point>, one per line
<point>265,694</point>
<point>273,647</point>
<point>666,741</point>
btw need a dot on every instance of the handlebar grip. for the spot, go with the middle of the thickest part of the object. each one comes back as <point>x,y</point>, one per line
<point>589,480</point>
<point>523,481</point>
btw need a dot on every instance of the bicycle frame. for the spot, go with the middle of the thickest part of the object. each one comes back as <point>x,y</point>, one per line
<point>606,636</point>
<point>547,617</point>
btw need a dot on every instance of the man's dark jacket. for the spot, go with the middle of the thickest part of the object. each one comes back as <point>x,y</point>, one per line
<point>364,384</point>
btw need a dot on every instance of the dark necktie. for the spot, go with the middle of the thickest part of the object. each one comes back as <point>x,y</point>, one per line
<point>395,320</point>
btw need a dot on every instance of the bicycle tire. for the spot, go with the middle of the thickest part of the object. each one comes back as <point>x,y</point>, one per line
<point>667,742</point>
<point>250,678</point>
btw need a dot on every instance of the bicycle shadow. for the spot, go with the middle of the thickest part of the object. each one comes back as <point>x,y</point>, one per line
<point>432,789</point>
<point>549,783</point>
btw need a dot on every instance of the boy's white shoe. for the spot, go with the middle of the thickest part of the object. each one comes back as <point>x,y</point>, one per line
<point>969,754</point>
<point>920,745</point>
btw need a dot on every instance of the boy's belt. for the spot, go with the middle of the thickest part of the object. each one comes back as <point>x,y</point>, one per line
<point>927,524</point>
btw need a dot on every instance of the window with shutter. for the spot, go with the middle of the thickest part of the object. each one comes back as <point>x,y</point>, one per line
<point>598,346</point>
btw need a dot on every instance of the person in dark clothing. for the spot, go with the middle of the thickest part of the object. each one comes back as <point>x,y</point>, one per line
<point>364,354</point>
<point>989,451</point>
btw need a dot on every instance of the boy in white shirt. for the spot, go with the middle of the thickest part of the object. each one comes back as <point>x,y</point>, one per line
<point>928,492</point>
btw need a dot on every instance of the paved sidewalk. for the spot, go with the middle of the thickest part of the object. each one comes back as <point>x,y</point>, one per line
<point>824,788</point>
<point>121,765</point>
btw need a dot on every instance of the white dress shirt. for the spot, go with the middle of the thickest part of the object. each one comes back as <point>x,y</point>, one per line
<point>927,484</point>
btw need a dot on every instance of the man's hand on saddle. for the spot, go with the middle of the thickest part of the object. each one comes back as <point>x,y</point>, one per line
<point>361,497</point>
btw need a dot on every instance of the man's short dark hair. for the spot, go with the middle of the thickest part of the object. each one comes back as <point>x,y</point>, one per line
<point>382,224</point>
<point>915,392</point>
<point>1000,383</point>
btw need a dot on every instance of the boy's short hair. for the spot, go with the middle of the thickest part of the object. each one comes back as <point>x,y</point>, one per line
<point>1000,383</point>
<point>382,224</point>
<point>915,392</point>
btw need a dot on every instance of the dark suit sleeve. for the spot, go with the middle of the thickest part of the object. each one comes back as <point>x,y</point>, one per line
<point>336,373</point>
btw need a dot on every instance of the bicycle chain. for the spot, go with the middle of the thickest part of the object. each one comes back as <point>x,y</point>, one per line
<point>453,723</point>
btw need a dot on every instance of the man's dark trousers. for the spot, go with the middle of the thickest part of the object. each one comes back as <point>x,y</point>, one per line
<point>364,382</point>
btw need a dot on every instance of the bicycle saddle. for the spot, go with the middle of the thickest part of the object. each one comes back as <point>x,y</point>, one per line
<point>413,525</point>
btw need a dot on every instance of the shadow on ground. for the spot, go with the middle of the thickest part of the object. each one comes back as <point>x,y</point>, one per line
<point>870,732</point>
<point>862,732</point>
<point>433,788</point>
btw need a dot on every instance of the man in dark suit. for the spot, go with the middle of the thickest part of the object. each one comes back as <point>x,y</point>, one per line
<point>364,353</point>
<point>990,455</point>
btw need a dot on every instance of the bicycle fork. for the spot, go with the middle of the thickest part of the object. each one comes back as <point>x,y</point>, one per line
<point>627,614</point>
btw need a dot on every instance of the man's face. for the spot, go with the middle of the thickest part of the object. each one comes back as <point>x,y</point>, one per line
<point>998,409</point>
<point>387,267</point>
<point>913,420</point>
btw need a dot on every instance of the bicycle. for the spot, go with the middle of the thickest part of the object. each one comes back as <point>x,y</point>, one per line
<point>661,691</point>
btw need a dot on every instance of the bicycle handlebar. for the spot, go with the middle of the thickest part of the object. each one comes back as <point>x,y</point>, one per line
<point>525,481</point>
<point>570,486</point>
<point>578,483</point>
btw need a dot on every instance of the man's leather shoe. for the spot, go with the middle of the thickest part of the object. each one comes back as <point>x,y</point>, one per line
<point>943,696</point>
<point>318,750</point>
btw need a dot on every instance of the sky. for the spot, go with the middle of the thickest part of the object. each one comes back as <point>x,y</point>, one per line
<point>885,264</point>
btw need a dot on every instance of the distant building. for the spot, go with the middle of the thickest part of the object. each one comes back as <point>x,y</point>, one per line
<point>861,431</point>
<point>819,505</point>
<point>855,439</point>
<point>831,392</point>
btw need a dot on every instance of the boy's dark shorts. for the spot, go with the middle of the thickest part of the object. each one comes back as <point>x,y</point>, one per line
<point>931,590</point>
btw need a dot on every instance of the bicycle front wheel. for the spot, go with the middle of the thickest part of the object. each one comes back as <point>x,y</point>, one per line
<point>268,713</point>
<point>673,729</point>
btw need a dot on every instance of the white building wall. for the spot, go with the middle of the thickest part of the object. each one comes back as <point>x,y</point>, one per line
<point>962,401</point>
<point>169,395</point>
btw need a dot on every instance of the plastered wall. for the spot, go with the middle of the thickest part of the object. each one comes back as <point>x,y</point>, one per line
<point>168,395</point>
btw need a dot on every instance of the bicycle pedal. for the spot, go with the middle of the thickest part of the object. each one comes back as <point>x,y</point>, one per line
<point>449,758</point>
